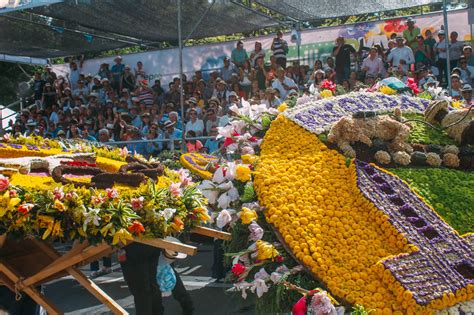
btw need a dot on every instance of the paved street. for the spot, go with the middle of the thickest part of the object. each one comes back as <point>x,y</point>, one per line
<point>209,297</point>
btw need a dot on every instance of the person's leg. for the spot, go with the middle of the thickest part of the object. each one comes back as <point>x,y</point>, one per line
<point>181,295</point>
<point>107,264</point>
<point>218,265</point>
<point>347,73</point>
<point>94,266</point>
<point>139,271</point>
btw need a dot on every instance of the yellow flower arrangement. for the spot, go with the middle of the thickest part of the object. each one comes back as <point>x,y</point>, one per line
<point>312,199</point>
<point>266,251</point>
<point>387,90</point>
<point>199,164</point>
<point>326,93</point>
<point>247,215</point>
<point>243,173</point>
<point>249,158</point>
<point>457,104</point>
<point>282,107</point>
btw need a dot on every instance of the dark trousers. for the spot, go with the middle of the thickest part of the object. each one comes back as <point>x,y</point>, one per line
<point>182,296</point>
<point>218,271</point>
<point>281,61</point>
<point>107,261</point>
<point>139,271</point>
<point>25,306</point>
<point>442,64</point>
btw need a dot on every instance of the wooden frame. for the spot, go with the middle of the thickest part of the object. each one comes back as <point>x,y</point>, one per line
<point>52,265</point>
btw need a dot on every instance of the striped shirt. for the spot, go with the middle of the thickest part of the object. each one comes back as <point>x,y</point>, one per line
<point>279,48</point>
<point>146,97</point>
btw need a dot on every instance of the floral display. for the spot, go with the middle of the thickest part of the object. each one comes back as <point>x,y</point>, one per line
<point>35,205</point>
<point>318,116</point>
<point>316,216</point>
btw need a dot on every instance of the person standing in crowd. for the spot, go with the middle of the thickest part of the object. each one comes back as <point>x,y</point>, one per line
<point>127,80</point>
<point>140,73</point>
<point>430,42</point>
<point>411,33</point>
<point>227,70</point>
<point>172,134</point>
<point>342,52</point>
<point>420,51</point>
<point>455,86</point>
<point>117,71</point>
<point>258,52</point>
<point>194,124</point>
<point>239,55</point>
<point>260,73</point>
<point>283,84</point>
<point>373,64</point>
<point>280,49</point>
<point>38,86</point>
<point>440,50</point>
<point>401,56</point>
<point>455,50</point>
<point>467,53</point>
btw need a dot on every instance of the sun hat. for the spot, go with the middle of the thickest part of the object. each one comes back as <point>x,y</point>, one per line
<point>168,123</point>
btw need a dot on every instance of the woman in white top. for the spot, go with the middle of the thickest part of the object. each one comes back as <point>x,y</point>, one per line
<point>195,124</point>
<point>246,77</point>
<point>140,74</point>
<point>440,49</point>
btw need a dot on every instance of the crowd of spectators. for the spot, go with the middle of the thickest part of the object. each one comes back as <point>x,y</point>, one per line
<point>119,104</point>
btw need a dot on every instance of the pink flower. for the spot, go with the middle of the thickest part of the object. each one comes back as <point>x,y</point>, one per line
<point>111,193</point>
<point>25,208</point>
<point>58,193</point>
<point>12,193</point>
<point>124,152</point>
<point>4,183</point>
<point>256,232</point>
<point>97,200</point>
<point>184,178</point>
<point>175,190</point>
<point>7,137</point>
<point>70,195</point>
<point>137,203</point>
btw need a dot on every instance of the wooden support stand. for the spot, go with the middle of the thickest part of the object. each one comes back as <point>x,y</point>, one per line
<point>27,263</point>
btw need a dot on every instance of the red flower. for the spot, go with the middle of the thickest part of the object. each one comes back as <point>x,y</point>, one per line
<point>300,307</point>
<point>394,26</point>
<point>12,193</point>
<point>279,258</point>
<point>25,208</point>
<point>328,85</point>
<point>413,86</point>
<point>238,269</point>
<point>228,142</point>
<point>78,163</point>
<point>136,228</point>
<point>253,139</point>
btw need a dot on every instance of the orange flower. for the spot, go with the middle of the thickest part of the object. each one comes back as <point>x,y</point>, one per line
<point>136,228</point>
<point>177,224</point>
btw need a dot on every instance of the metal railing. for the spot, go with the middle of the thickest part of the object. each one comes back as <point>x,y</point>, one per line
<point>171,141</point>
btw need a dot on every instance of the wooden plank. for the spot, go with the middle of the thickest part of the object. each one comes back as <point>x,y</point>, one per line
<point>32,292</point>
<point>64,264</point>
<point>94,289</point>
<point>174,246</point>
<point>3,238</point>
<point>211,233</point>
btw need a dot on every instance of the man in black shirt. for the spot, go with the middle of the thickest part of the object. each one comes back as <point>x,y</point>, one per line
<point>38,86</point>
<point>342,52</point>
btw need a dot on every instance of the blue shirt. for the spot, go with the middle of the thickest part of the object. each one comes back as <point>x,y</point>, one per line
<point>117,70</point>
<point>140,148</point>
<point>212,145</point>
<point>175,135</point>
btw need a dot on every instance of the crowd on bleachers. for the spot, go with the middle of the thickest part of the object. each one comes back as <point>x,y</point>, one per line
<point>118,103</point>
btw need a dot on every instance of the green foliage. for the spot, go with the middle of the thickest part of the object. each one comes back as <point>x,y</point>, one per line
<point>448,191</point>
<point>424,134</point>
<point>360,310</point>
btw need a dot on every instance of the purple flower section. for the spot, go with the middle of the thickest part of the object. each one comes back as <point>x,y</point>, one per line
<point>444,261</point>
<point>15,146</point>
<point>318,116</point>
<point>193,163</point>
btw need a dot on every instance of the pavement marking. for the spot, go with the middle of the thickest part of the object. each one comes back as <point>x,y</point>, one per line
<point>190,270</point>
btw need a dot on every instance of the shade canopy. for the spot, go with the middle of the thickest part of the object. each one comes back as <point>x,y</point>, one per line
<point>309,10</point>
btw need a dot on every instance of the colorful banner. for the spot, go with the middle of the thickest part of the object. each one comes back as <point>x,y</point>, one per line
<point>315,44</point>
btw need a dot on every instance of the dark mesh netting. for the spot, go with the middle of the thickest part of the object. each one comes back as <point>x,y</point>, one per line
<point>21,38</point>
<point>156,20</point>
<point>308,10</point>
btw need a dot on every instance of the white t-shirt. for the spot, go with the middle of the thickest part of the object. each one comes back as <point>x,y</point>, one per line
<point>400,53</point>
<point>279,86</point>
<point>442,45</point>
<point>197,126</point>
